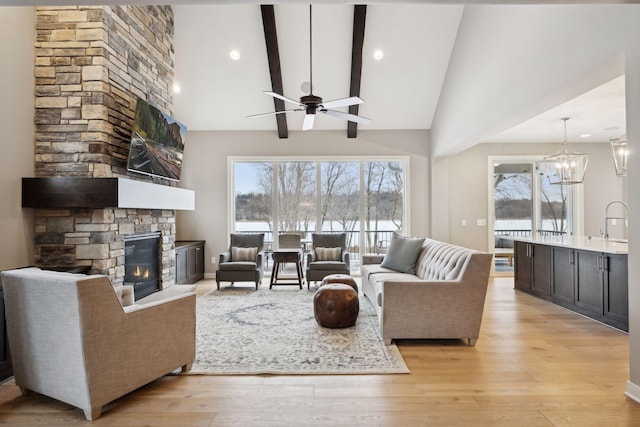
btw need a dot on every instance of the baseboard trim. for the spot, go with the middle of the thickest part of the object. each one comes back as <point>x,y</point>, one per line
<point>209,275</point>
<point>633,391</point>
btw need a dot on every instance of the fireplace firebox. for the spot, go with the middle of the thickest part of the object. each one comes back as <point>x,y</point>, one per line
<point>142,263</point>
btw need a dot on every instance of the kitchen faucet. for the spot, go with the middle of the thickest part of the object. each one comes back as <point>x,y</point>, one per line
<point>605,234</point>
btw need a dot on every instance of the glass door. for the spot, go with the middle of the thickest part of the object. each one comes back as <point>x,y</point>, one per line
<point>513,210</point>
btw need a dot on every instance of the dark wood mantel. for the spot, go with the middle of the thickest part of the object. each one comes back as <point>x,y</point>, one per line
<point>98,193</point>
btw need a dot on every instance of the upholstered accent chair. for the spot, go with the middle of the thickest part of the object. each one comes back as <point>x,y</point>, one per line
<point>74,338</point>
<point>328,255</point>
<point>243,262</point>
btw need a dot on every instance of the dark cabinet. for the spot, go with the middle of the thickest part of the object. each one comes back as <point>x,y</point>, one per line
<point>6,369</point>
<point>541,262</point>
<point>533,268</point>
<point>523,268</point>
<point>591,283</point>
<point>562,276</point>
<point>588,283</point>
<point>616,284</point>
<point>189,261</point>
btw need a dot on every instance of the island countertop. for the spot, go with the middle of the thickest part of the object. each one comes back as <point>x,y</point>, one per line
<point>588,243</point>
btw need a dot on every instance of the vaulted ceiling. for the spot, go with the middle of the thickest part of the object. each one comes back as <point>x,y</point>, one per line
<point>400,91</point>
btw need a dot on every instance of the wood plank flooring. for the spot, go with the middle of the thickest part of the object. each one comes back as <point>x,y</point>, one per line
<point>535,364</point>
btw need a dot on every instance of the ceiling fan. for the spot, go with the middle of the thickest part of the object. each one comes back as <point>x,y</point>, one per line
<point>311,104</point>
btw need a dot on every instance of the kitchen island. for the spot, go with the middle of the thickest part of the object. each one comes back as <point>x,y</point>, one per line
<point>585,274</point>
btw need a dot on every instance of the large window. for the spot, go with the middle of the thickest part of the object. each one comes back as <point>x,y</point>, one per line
<point>365,199</point>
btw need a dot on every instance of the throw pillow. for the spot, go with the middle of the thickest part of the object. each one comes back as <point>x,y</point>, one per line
<point>243,254</point>
<point>403,253</point>
<point>328,254</point>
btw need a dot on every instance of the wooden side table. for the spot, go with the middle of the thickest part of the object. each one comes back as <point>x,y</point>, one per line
<point>282,256</point>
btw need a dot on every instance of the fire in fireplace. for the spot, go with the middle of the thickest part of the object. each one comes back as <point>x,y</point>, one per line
<point>142,263</point>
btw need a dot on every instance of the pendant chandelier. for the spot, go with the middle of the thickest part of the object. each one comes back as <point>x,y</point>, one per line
<point>566,167</point>
<point>620,153</point>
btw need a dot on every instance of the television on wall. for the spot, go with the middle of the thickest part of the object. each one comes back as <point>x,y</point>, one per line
<point>157,143</point>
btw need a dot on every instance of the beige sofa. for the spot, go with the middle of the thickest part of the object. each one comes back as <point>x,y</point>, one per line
<point>72,339</point>
<point>443,299</point>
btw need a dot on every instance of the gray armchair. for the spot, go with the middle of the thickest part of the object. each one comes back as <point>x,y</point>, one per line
<point>318,266</point>
<point>74,338</point>
<point>240,263</point>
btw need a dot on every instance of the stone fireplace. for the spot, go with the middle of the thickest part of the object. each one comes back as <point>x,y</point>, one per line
<point>91,65</point>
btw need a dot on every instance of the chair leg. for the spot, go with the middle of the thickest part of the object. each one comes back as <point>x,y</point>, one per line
<point>92,413</point>
<point>472,341</point>
<point>25,391</point>
<point>186,368</point>
<point>218,284</point>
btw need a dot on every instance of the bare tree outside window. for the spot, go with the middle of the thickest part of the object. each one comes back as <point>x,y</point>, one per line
<point>384,202</point>
<point>554,207</point>
<point>340,207</point>
<point>296,193</point>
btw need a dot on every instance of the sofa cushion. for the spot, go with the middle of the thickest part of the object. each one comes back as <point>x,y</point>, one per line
<point>403,253</point>
<point>243,254</point>
<point>328,254</point>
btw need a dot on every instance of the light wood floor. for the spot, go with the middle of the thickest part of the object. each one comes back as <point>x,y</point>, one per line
<point>535,364</point>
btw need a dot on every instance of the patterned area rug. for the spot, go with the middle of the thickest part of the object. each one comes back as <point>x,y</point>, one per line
<point>244,331</point>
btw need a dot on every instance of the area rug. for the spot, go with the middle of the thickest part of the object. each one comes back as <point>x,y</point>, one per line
<point>244,331</point>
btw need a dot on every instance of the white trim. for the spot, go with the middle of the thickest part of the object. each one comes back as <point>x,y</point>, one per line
<point>633,391</point>
<point>231,200</point>
<point>315,158</point>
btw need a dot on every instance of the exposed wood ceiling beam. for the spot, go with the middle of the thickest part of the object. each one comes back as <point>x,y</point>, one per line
<point>359,18</point>
<point>273,54</point>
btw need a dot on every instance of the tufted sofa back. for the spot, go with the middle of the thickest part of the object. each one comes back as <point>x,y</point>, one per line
<point>442,261</point>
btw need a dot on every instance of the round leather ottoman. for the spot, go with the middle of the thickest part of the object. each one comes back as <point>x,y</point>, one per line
<point>336,305</point>
<point>340,278</point>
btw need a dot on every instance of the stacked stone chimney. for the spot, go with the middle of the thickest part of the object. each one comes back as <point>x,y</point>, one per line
<point>92,63</point>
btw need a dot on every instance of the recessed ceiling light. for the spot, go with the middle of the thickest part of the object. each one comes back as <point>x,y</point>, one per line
<point>585,135</point>
<point>234,54</point>
<point>176,88</point>
<point>378,55</point>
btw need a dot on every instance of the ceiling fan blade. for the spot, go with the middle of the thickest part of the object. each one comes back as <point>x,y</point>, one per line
<point>354,100</point>
<point>347,116</point>
<point>282,97</point>
<point>273,113</point>
<point>307,124</point>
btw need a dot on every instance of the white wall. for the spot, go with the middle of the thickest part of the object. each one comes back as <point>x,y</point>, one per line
<point>511,63</point>
<point>465,176</point>
<point>17,30</point>
<point>205,171</point>
<point>632,88</point>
